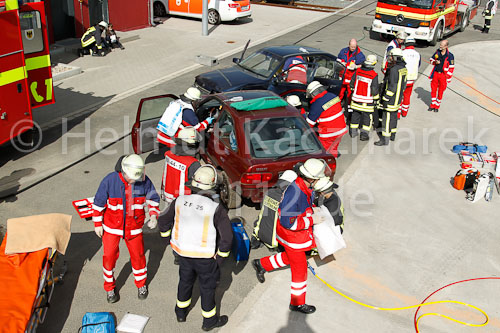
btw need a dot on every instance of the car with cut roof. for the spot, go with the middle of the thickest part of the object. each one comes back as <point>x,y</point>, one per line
<point>255,137</point>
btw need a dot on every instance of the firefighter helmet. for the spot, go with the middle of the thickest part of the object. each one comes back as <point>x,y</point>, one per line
<point>289,176</point>
<point>313,86</point>
<point>371,60</point>
<point>401,35</point>
<point>133,166</point>
<point>396,52</point>
<point>189,135</point>
<point>192,94</point>
<point>103,24</point>
<point>410,41</point>
<point>313,168</point>
<point>325,184</point>
<point>293,100</point>
<point>205,177</point>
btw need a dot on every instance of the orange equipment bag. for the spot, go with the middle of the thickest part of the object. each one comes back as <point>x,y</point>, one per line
<point>464,179</point>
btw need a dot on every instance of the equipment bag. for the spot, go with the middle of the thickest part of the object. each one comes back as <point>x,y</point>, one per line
<point>102,322</point>
<point>489,190</point>
<point>265,227</point>
<point>241,242</point>
<point>470,147</point>
<point>480,187</point>
<point>465,178</point>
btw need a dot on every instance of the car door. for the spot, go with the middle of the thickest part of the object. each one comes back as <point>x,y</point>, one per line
<point>210,107</point>
<point>284,87</point>
<point>144,129</point>
<point>329,72</point>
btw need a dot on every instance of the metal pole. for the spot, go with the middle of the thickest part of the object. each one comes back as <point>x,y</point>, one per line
<point>204,19</point>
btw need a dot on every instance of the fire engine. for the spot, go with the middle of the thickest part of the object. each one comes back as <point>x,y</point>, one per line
<point>426,20</point>
<point>25,70</point>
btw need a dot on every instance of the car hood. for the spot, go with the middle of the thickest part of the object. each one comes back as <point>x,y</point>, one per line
<point>228,79</point>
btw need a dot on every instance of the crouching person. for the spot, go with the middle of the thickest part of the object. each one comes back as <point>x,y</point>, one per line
<point>199,231</point>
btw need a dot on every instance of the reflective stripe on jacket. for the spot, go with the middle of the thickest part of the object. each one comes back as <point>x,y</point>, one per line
<point>394,86</point>
<point>448,65</point>
<point>412,59</point>
<point>326,111</point>
<point>176,175</point>
<point>364,85</point>
<point>93,34</point>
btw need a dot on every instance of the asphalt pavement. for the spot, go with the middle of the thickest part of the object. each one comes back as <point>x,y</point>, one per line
<point>408,231</point>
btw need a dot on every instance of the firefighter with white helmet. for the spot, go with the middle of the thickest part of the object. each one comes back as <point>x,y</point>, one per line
<point>180,114</point>
<point>412,60</point>
<point>365,94</point>
<point>391,97</point>
<point>328,197</point>
<point>119,213</point>
<point>326,112</point>
<point>92,42</point>
<point>396,43</point>
<point>294,232</point>
<point>199,231</point>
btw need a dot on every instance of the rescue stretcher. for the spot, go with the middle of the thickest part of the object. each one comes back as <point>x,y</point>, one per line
<point>28,282</point>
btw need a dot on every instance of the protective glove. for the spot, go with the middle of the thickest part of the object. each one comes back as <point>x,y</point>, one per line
<point>316,210</point>
<point>153,222</point>
<point>210,120</point>
<point>318,218</point>
<point>99,231</point>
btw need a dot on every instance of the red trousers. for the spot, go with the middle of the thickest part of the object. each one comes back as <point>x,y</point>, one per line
<point>110,244</point>
<point>298,265</point>
<point>405,104</point>
<point>438,86</point>
<point>331,144</point>
<point>345,88</point>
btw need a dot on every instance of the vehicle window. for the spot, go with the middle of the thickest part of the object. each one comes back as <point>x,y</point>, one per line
<point>280,137</point>
<point>261,63</point>
<point>328,68</point>
<point>154,108</point>
<point>227,134</point>
<point>209,108</point>
<point>438,2</point>
<point>31,31</point>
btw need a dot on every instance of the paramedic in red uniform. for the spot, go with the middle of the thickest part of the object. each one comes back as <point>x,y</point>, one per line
<point>294,233</point>
<point>352,58</point>
<point>364,85</point>
<point>326,111</point>
<point>169,123</point>
<point>412,60</point>
<point>296,70</point>
<point>444,65</point>
<point>396,43</point>
<point>199,230</point>
<point>119,213</point>
<point>180,164</point>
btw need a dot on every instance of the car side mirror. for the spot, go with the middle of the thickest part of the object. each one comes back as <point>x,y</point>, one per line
<point>236,60</point>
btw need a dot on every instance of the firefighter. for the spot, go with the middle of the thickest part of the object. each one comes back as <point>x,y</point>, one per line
<point>295,69</point>
<point>295,101</point>
<point>119,213</point>
<point>326,111</point>
<point>398,43</point>
<point>365,86</point>
<point>352,58</point>
<point>489,11</point>
<point>265,226</point>
<point>294,233</point>
<point>92,40</point>
<point>180,164</point>
<point>180,114</point>
<point>392,96</point>
<point>328,197</point>
<point>412,60</point>
<point>202,236</point>
<point>442,72</point>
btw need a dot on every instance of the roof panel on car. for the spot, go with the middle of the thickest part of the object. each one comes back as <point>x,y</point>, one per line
<point>287,50</point>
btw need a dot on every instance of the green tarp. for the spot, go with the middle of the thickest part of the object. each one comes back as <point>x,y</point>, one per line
<point>259,104</point>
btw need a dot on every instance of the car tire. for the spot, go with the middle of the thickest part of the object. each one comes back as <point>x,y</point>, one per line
<point>465,21</point>
<point>230,194</point>
<point>159,9</point>
<point>213,17</point>
<point>438,34</point>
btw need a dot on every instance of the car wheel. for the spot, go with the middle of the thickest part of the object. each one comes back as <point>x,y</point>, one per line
<point>230,194</point>
<point>159,9</point>
<point>465,21</point>
<point>438,34</point>
<point>213,17</point>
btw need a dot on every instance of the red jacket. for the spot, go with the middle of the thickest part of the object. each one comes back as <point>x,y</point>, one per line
<point>326,111</point>
<point>119,206</point>
<point>364,85</point>
<point>179,169</point>
<point>448,64</point>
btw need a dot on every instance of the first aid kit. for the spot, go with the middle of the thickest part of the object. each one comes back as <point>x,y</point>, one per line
<point>132,323</point>
<point>241,242</point>
<point>102,322</point>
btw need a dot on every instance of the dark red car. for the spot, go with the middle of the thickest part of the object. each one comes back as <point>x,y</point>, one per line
<point>256,136</point>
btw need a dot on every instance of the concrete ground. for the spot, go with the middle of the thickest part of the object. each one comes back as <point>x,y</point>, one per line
<point>408,231</point>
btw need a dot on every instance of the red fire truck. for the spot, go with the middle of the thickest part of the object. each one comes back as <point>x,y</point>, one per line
<point>427,20</point>
<point>25,71</point>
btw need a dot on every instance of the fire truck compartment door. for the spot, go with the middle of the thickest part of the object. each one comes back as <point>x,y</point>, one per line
<point>36,53</point>
<point>15,112</point>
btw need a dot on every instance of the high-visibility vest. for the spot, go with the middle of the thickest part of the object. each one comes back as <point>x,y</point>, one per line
<point>194,234</point>
<point>412,59</point>
<point>88,37</point>
<point>362,92</point>
<point>175,175</point>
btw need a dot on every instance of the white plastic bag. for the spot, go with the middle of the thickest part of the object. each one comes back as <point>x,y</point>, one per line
<point>171,118</point>
<point>132,323</point>
<point>327,235</point>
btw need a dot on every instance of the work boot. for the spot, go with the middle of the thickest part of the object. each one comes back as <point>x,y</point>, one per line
<point>304,308</point>
<point>254,243</point>
<point>430,109</point>
<point>364,136</point>
<point>436,110</point>
<point>382,142</point>
<point>142,292</point>
<point>111,296</point>
<point>80,53</point>
<point>259,270</point>
<point>181,319</point>
<point>221,321</point>
<point>353,132</point>
<point>393,136</point>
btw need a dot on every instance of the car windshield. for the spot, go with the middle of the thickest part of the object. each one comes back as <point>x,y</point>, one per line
<point>261,63</point>
<point>424,4</point>
<point>280,137</point>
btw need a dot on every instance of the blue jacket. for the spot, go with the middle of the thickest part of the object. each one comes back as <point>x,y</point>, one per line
<point>347,56</point>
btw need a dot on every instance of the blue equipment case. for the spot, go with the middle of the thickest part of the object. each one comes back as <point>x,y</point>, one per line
<point>241,242</point>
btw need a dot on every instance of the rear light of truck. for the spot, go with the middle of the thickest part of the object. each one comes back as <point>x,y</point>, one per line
<point>424,24</point>
<point>255,178</point>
